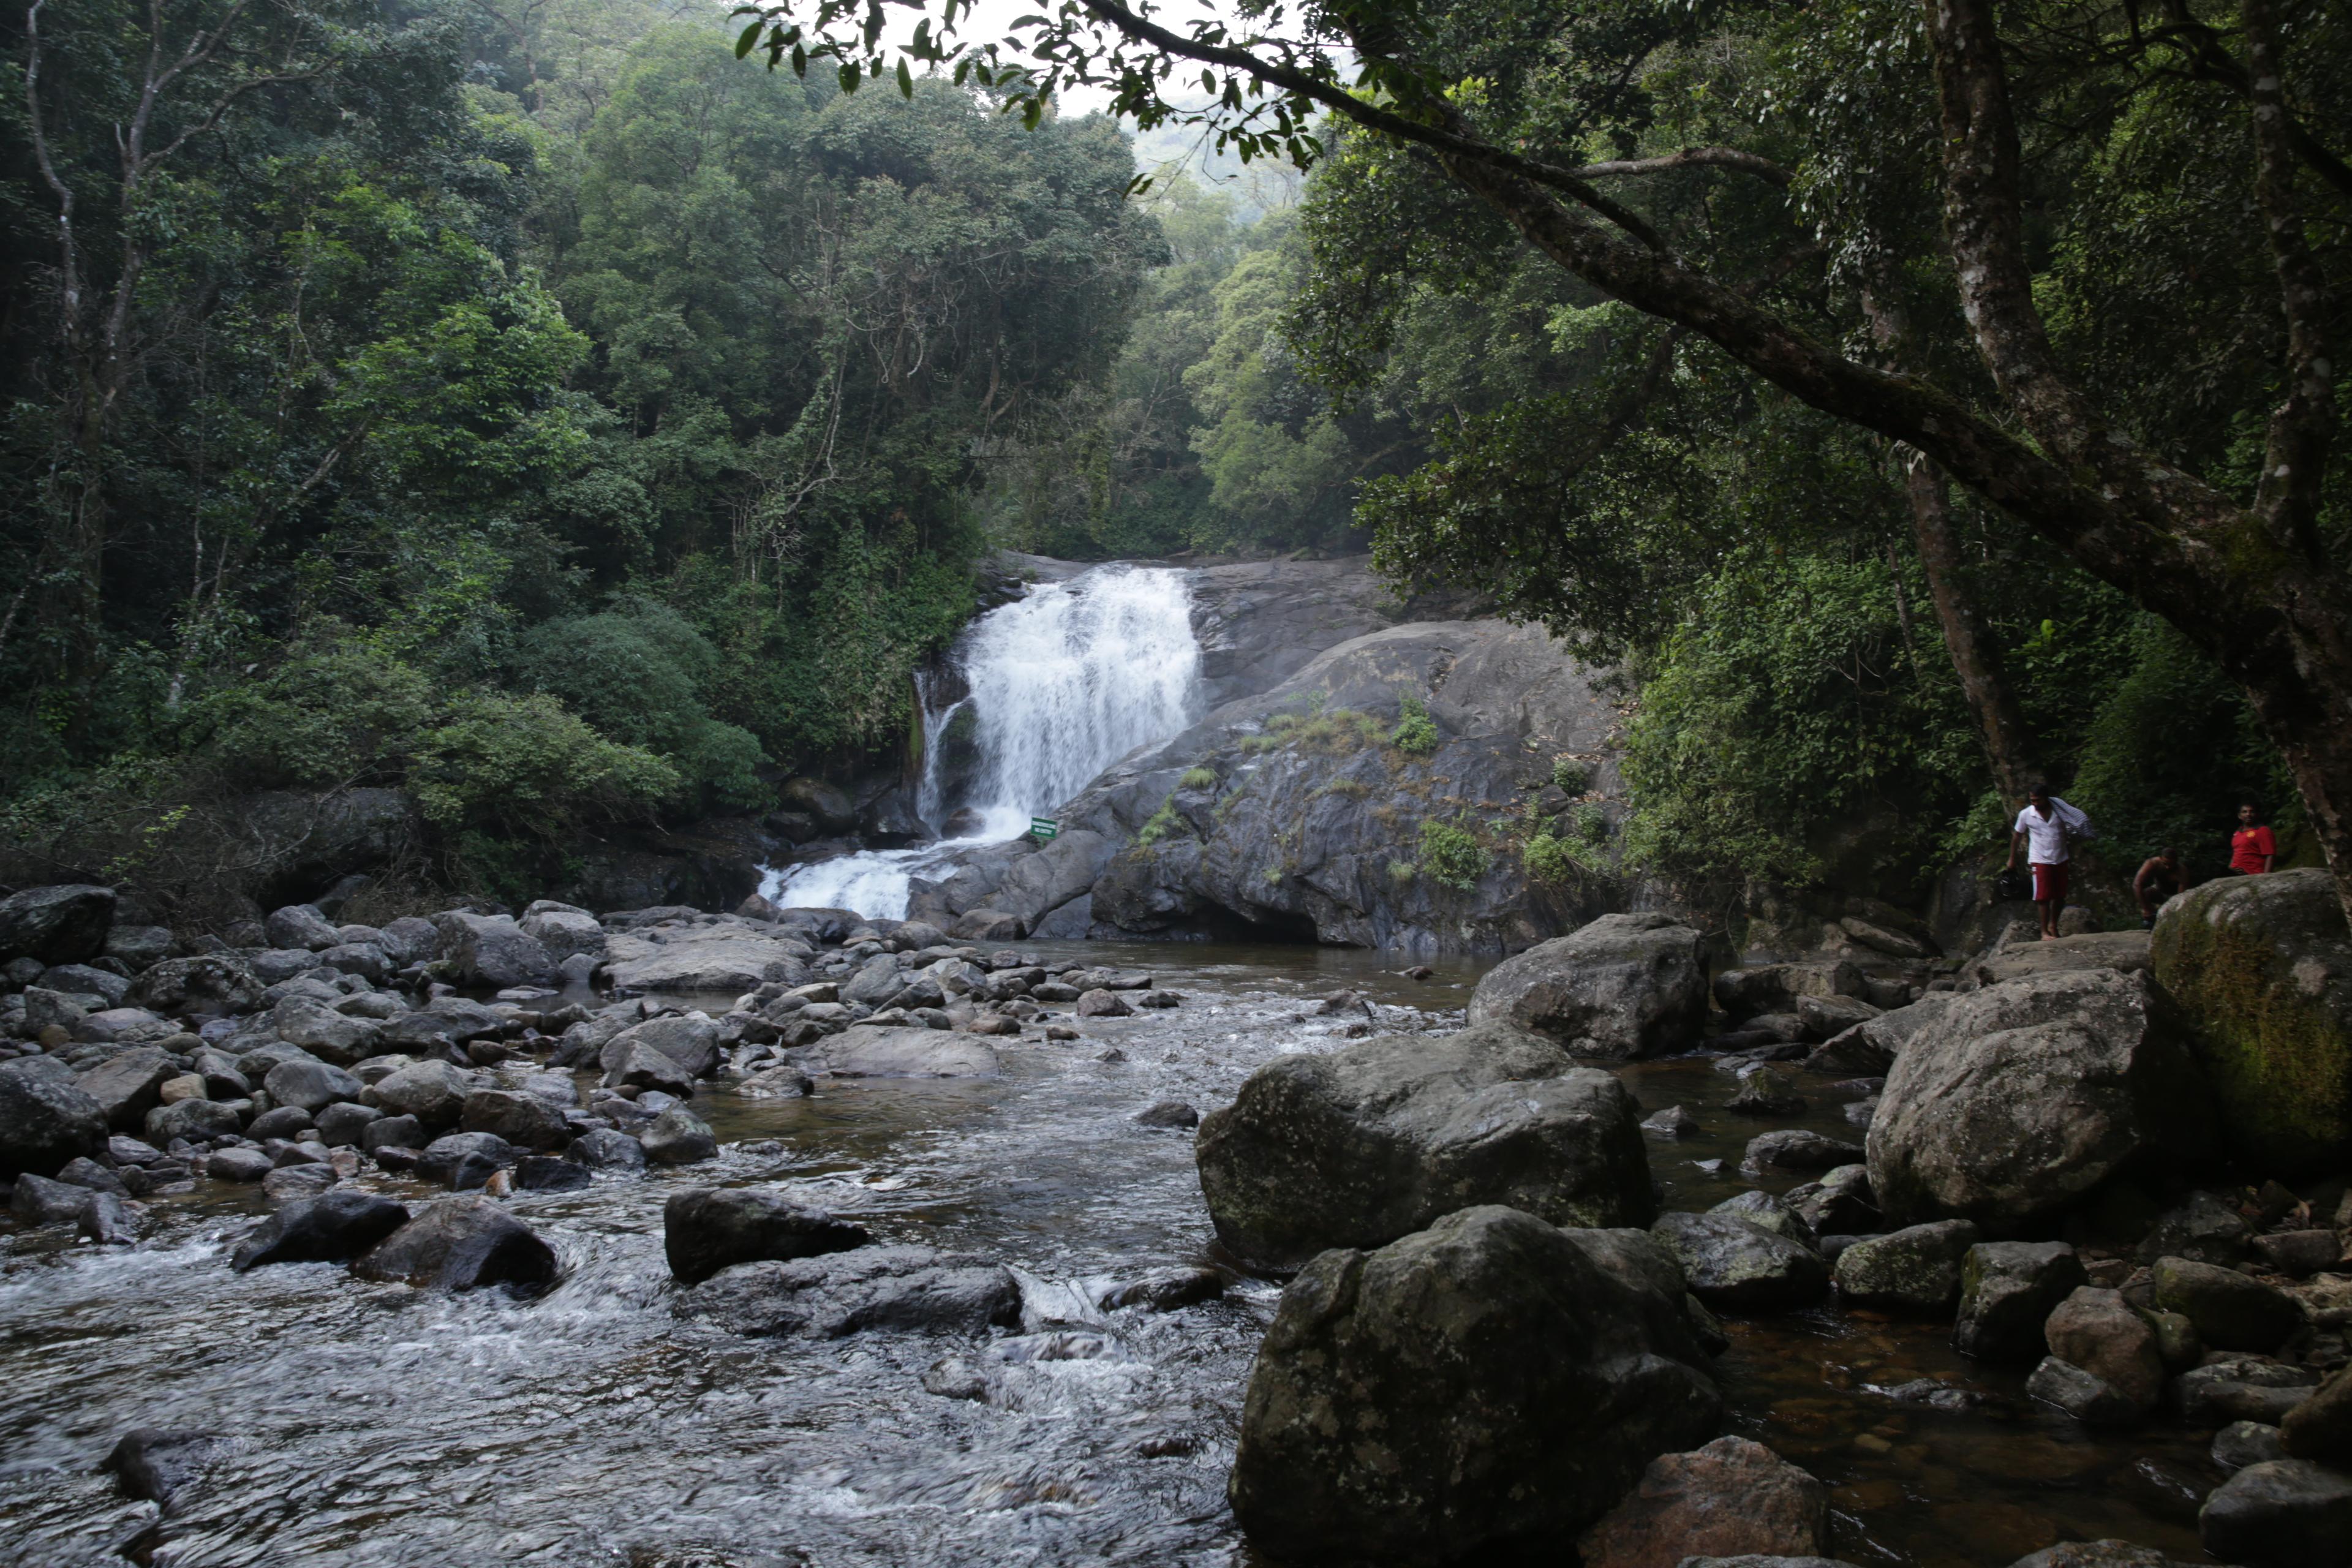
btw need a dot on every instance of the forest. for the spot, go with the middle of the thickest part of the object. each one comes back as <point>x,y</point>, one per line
<point>540,407</point>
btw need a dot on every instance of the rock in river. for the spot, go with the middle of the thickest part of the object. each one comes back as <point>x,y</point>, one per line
<point>1735,1265</point>
<point>1366,1144</point>
<point>46,1119</point>
<point>1480,1388</point>
<point>706,1229</point>
<point>2008,1290</point>
<point>1916,1270</point>
<point>156,1464</point>
<point>907,1288</point>
<point>2232,1312</point>
<point>333,1227</point>
<point>869,1050</point>
<point>1625,986</point>
<point>679,1137</point>
<point>1732,1498</point>
<point>2283,1514</point>
<point>458,1244</point>
<point>2024,1096</point>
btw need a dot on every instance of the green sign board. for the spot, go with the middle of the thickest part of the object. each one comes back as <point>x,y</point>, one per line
<point>1044,828</point>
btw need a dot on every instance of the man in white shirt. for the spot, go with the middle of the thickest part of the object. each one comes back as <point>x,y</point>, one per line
<point>2046,828</point>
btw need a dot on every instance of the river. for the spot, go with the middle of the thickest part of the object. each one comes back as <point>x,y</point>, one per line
<point>382,1425</point>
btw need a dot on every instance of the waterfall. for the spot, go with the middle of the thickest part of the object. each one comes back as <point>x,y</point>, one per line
<point>1063,682</point>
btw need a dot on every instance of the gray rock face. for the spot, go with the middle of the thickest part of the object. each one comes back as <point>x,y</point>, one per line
<point>128,1085</point>
<point>904,1288</point>
<point>311,1086</point>
<point>463,1161</point>
<point>1735,1265</point>
<point>63,924</point>
<point>2232,1312</point>
<point>491,950</point>
<point>874,1050</point>
<point>1478,1388</point>
<point>690,1041</point>
<point>706,1229</point>
<point>300,926</point>
<point>2008,1290</point>
<point>525,1121</point>
<point>191,1118</point>
<point>1369,1143</point>
<point>1915,1269</point>
<point>2243,1443</point>
<point>2204,1229</point>
<point>636,1065</point>
<point>37,1200</point>
<point>607,1149</point>
<point>679,1137</point>
<point>337,1225</point>
<point>1624,987</point>
<point>328,1035</point>
<point>731,956</point>
<point>2241,1388</point>
<point>214,983</point>
<point>1870,1047</point>
<point>2084,1396</point>
<point>46,1119</point>
<point>459,1244</point>
<point>2096,1330</point>
<point>2024,1096</point>
<point>433,1092</point>
<point>1797,1148</point>
<point>2281,1513</point>
<point>563,931</point>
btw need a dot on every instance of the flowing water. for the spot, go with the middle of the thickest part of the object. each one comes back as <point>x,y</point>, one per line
<point>375,1424</point>
<point>1062,683</point>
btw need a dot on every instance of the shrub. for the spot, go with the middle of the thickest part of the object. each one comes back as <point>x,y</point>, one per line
<point>1416,732</point>
<point>1547,859</point>
<point>336,712</point>
<point>1451,856</point>
<point>1198,778</point>
<point>526,765</point>
<point>1403,871</point>
<point>1573,777</point>
<point>1591,823</point>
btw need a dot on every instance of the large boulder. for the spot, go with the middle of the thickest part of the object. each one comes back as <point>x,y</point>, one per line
<point>2262,967</point>
<point>46,1119</point>
<point>2024,1096</point>
<point>1733,1498</point>
<point>2281,1513</point>
<point>458,1244</point>
<point>62,924</point>
<point>1481,1388</point>
<point>1625,987</point>
<point>706,1229</point>
<point>1363,1145</point>
<point>911,1289</point>
<point>128,1085</point>
<point>690,1041</point>
<point>878,1050</point>
<point>491,950</point>
<point>563,929</point>
<point>336,1227</point>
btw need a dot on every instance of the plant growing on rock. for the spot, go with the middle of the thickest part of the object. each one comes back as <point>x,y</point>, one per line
<point>1591,823</point>
<point>1162,823</point>
<point>1548,858</point>
<point>1416,732</point>
<point>1198,778</point>
<point>1572,777</point>
<point>1452,855</point>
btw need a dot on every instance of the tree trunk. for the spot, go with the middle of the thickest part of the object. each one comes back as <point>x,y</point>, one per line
<point>1976,655</point>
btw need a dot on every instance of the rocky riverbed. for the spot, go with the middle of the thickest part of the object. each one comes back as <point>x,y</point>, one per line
<point>788,1237</point>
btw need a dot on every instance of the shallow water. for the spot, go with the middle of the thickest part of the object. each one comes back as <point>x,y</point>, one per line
<point>380,1426</point>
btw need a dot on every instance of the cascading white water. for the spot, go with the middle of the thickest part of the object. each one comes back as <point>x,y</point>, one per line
<point>1063,682</point>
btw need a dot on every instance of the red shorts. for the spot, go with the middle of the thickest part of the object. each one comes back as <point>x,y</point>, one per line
<point>2050,882</point>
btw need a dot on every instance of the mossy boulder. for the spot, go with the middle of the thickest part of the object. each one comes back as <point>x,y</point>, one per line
<point>2262,967</point>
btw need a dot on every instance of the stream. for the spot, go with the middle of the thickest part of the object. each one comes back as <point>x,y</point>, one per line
<point>379,1425</point>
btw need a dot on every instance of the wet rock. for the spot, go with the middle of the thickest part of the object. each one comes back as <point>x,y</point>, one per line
<point>62,924</point>
<point>109,1219</point>
<point>312,1085</point>
<point>236,1164</point>
<point>2240,1388</point>
<point>911,1289</point>
<point>706,1229</point>
<point>1376,1140</point>
<point>2281,1514</point>
<point>2008,1290</point>
<point>463,1161</point>
<point>606,1148</point>
<point>864,1050</point>
<point>2299,1254</point>
<point>548,1174</point>
<point>1771,1213</point>
<point>1796,1149</point>
<point>2243,1443</point>
<point>1826,1016</point>
<point>1871,1045</point>
<point>636,1065</point>
<point>1625,986</point>
<point>1100,1003</point>
<point>785,1082</point>
<point>1765,1092</point>
<point>524,1120</point>
<point>1734,1264</point>
<point>1839,1204</point>
<point>2262,967</point>
<point>1775,988</point>
<point>2025,1096</point>
<point>2232,1312</point>
<point>128,1085</point>
<point>284,1121</point>
<point>433,1092</point>
<point>2084,1396</point>
<point>210,982</point>
<point>679,1137</point>
<point>326,1034</point>
<point>1165,1292</point>
<point>193,1120</point>
<point>1481,1387</point>
<point>334,1226</point>
<point>389,1132</point>
<point>157,1464</point>
<point>491,950</point>
<point>1915,1269</point>
<point>37,1200</point>
<point>1673,1122</point>
<point>2204,1229</point>
<point>87,1173</point>
<point>46,1119</point>
<point>2098,1555</point>
<point>460,1244</point>
<point>2096,1329</point>
<point>1173,1114</point>
<point>345,1124</point>
<point>689,1040</point>
<point>2320,1428</point>
<point>1733,1498</point>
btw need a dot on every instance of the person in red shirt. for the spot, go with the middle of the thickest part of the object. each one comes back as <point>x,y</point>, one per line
<point>2253,846</point>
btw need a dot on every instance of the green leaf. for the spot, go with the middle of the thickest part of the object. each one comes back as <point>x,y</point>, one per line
<point>751,36</point>
<point>906,80</point>
<point>848,76</point>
